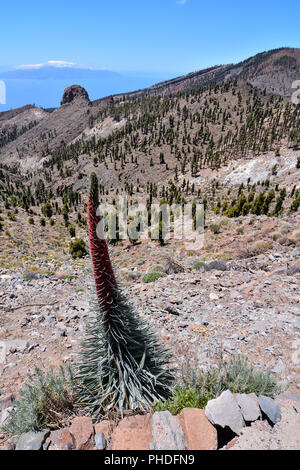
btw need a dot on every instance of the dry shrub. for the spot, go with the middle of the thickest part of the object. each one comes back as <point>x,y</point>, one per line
<point>254,249</point>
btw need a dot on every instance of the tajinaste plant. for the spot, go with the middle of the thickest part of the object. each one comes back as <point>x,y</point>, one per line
<point>123,367</point>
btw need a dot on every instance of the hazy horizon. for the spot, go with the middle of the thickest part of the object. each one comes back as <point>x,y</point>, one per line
<point>146,42</point>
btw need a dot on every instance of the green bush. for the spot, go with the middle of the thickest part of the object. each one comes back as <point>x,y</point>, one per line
<point>77,248</point>
<point>152,277</point>
<point>184,397</point>
<point>44,401</point>
<point>196,387</point>
<point>215,228</point>
<point>198,265</point>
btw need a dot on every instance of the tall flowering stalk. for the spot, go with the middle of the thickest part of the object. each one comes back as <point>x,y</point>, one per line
<point>105,281</point>
<point>123,367</point>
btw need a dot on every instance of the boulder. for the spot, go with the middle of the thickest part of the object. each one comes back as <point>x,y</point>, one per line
<point>270,408</point>
<point>199,432</point>
<point>61,439</point>
<point>32,440</point>
<point>82,430</point>
<point>249,406</point>
<point>100,441</point>
<point>172,310</point>
<point>132,433</point>
<point>104,427</point>
<point>225,412</point>
<point>167,433</point>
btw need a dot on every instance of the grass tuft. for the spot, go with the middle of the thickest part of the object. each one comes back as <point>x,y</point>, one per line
<point>152,277</point>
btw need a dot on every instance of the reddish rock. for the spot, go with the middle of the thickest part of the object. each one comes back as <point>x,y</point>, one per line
<point>61,439</point>
<point>231,443</point>
<point>132,433</point>
<point>199,432</point>
<point>105,427</point>
<point>82,430</point>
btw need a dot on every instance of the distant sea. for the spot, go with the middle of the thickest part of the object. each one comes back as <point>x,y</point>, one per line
<point>48,93</point>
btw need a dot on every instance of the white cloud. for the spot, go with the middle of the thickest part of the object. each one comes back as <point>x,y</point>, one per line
<point>51,63</point>
<point>181,2</point>
<point>61,63</point>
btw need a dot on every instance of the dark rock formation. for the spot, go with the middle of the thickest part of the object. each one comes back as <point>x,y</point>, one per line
<point>73,92</point>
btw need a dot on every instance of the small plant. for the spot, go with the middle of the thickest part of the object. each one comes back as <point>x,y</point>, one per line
<point>275,236</point>
<point>152,277</point>
<point>198,265</point>
<point>263,246</point>
<point>27,276</point>
<point>236,375</point>
<point>42,221</point>
<point>77,248</point>
<point>44,401</point>
<point>190,253</point>
<point>31,221</point>
<point>215,228</point>
<point>196,387</point>
<point>219,265</point>
<point>184,397</point>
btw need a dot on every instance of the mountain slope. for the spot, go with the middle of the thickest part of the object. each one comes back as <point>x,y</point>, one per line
<point>273,70</point>
<point>207,117</point>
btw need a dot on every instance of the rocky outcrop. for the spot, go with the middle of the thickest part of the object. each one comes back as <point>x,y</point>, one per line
<point>166,432</point>
<point>82,431</point>
<point>200,433</point>
<point>132,433</point>
<point>74,92</point>
<point>172,267</point>
<point>224,411</point>
<point>253,421</point>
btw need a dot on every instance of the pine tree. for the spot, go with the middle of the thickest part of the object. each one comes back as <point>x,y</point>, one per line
<point>123,367</point>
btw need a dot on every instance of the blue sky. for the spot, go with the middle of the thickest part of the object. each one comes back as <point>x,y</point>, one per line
<point>161,36</point>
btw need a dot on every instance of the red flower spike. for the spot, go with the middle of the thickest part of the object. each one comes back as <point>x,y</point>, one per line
<point>104,276</point>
